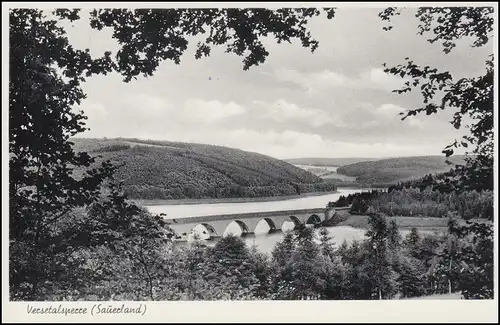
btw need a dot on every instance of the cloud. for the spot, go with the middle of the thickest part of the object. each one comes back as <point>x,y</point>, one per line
<point>415,122</point>
<point>308,99</point>
<point>147,105</point>
<point>315,82</point>
<point>313,145</point>
<point>289,143</point>
<point>94,111</point>
<point>277,128</point>
<point>206,112</point>
<point>382,120</point>
<point>390,109</point>
<point>138,114</point>
<point>377,78</point>
<point>282,111</point>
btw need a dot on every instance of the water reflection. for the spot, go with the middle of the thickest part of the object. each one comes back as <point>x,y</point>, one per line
<point>262,228</point>
<point>265,242</point>
<point>233,229</point>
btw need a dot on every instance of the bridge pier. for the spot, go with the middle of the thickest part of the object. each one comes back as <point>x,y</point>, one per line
<point>215,226</point>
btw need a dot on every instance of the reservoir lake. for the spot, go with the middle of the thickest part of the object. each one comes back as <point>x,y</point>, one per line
<point>263,241</point>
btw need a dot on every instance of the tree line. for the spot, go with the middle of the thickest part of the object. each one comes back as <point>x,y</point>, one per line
<point>142,263</point>
<point>192,190</point>
<point>430,196</point>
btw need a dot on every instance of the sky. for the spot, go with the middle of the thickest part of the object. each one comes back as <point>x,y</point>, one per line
<point>335,102</point>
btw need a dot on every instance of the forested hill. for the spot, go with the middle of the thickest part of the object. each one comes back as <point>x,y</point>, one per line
<point>398,169</point>
<point>174,170</point>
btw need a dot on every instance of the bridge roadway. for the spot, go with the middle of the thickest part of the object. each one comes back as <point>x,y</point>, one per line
<point>216,225</point>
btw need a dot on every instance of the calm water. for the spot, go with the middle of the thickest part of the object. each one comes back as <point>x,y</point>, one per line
<point>266,242</point>
<point>193,210</point>
<point>325,168</point>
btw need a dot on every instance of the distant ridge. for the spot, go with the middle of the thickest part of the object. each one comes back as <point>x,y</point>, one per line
<point>177,170</point>
<point>393,170</point>
<point>337,162</point>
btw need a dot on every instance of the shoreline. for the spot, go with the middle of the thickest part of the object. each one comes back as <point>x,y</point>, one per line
<point>154,202</point>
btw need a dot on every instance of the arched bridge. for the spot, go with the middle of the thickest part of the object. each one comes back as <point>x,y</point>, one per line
<point>213,226</point>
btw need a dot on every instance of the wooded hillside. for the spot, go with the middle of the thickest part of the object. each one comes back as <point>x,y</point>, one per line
<point>398,169</point>
<point>173,170</point>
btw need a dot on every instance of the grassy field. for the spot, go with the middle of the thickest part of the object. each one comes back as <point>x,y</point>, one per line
<point>404,223</point>
<point>428,224</point>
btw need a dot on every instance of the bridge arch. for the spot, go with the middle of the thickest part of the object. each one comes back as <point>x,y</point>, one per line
<point>237,228</point>
<point>290,223</point>
<point>314,220</point>
<point>265,225</point>
<point>203,231</point>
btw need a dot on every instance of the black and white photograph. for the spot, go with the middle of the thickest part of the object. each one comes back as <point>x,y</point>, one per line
<point>243,152</point>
